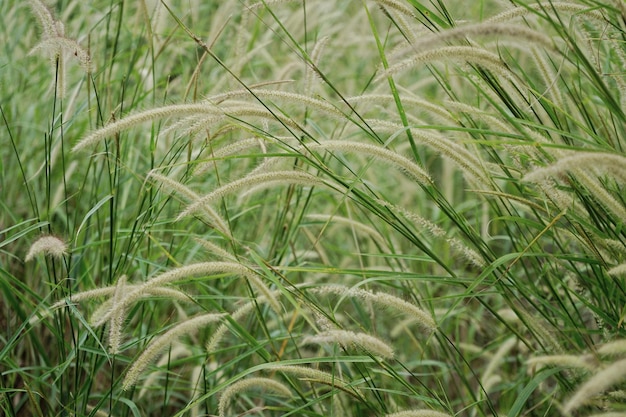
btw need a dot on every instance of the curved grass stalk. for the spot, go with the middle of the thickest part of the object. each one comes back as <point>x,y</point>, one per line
<point>190,196</point>
<point>383,300</point>
<point>155,347</point>
<point>464,54</point>
<point>558,6</point>
<point>523,36</point>
<point>265,384</point>
<point>418,413</point>
<point>404,164</point>
<point>48,245</point>
<point>351,340</point>
<point>597,384</point>
<point>266,179</point>
<point>176,110</point>
<point>469,163</point>
<point>315,375</point>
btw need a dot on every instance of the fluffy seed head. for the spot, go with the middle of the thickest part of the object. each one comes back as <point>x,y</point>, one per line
<point>597,384</point>
<point>352,340</point>
<point>48,245</point>
<point>245,384</point>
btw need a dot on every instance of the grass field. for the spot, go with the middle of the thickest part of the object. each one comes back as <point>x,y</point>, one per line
<point>395,208</point>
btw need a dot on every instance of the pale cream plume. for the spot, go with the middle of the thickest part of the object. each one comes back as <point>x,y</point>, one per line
<point>160,343</point>
<point>597,384</point>
<point>265,384</point>
<point>48,245</point>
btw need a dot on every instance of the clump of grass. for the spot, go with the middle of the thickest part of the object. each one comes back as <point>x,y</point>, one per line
<point>384,208</point>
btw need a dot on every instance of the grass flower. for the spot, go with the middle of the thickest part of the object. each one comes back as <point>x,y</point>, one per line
<point>48,245</point>
<point>161,343</point>
<point>597,384</point>
<point>317,376</point>
<point>351,340</point>
<point>418,413</point>
<point>238,387</point>
<point>382,300</point>
<point>176,110</point>
<point>464,54</point>
<point>118,310</point>
<point>407,166</point>
<point>266,179</point>
<point>56,45</point>
<point>523,36</point>
<point>566,361</point>
<point>190,196</point>
<point>614,348</point>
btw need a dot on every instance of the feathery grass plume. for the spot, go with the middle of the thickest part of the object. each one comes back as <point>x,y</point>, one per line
<point>104,312</point>
<point>619,270</point>
<point>601,194</point>
<point>265,384</point>
<point>311,69</point>
<point>233,112</point>
<point>315,375</point>
<point>456,244</point>
<point>154,286</point>
<point>56,45</point>
<point>215,250</point>
<point>383,300</point>
<point>470,254</point>
<point>609,414</point>
<point>48,245</point>
<point>175,110</point>
<point>547,339</point>
<point>267,293</point>
<point>350,340</point>
<point>160,343</point>
<point>45,18</point>
<point>438,112</point>
<point>599,162</point>
<point>522,34</point>
<point>469,164</point>
<point>463,54</point>
<point>496,360</point>
<point>190,196</point>
<point>118,312</point>
<point>583,363</point>
<point>110,290</point>
<point>233,149</point>
<point>199,269</point>
<point>429,226</point>
<point>405,165</point>
<point>580,165</point>
<point>550,78</point>
<point>597,384</point>
<point>267,179</point>
<point>418,413</point>
<point>527,9</point>
<point>221,330</point>
<point>309,102</point>
<point>177,350</point>
<point>397,6</point>
<point>191,270</point>
<point>242,311</point>
<point>562,200</point>
<point>614,348</point>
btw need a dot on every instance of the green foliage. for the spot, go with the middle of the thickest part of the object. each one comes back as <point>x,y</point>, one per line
<point>377,208</point>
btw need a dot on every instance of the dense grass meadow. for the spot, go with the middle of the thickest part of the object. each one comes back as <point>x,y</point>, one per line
<point>394,208</point>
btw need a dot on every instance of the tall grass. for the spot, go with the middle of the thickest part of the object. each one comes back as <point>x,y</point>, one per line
<point>376,208</point>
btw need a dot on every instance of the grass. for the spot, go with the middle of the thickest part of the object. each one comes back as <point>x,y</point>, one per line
<point>378,208</point>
